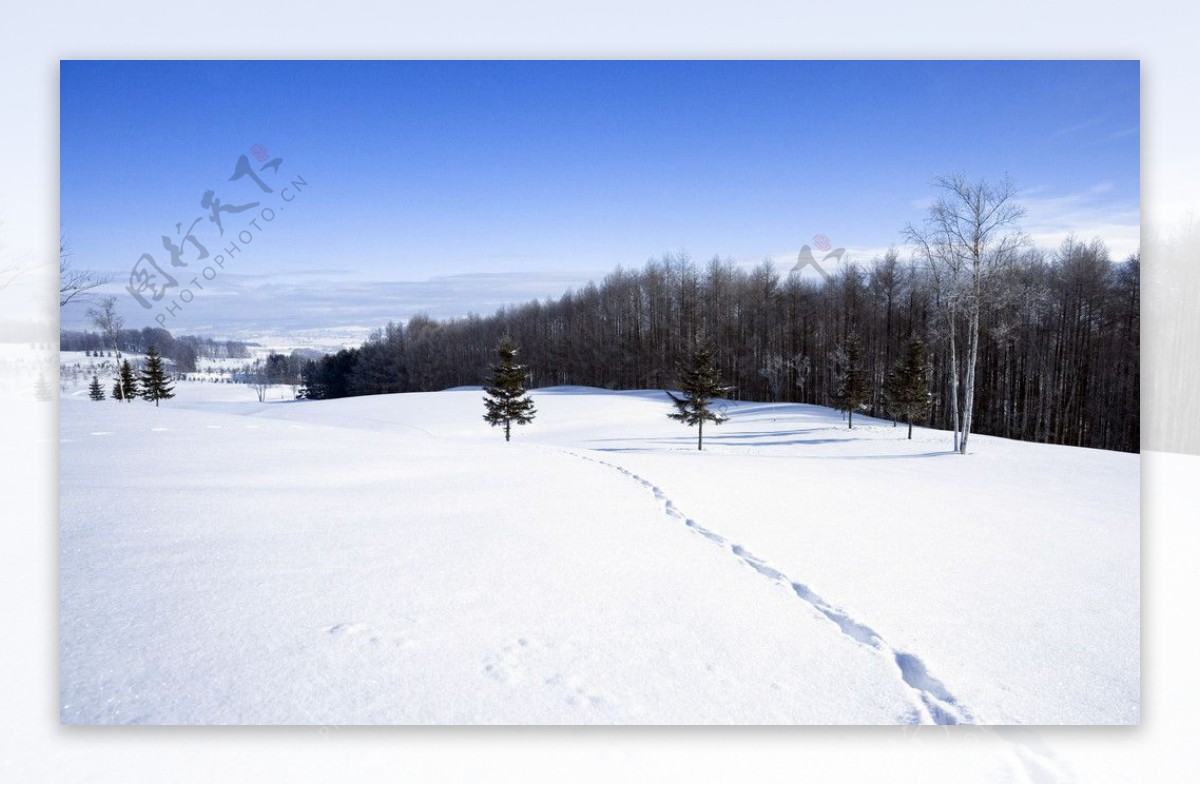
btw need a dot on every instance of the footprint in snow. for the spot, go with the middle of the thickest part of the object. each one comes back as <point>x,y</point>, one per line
<point>574,692</point>
<point>508,665</point>
<point>364,632</point>
<point>348,628</point>
<point>527,660</point>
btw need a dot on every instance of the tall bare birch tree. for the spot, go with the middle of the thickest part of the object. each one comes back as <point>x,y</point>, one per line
<point>969,236</point>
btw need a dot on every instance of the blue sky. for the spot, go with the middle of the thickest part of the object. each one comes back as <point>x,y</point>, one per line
<point>454,186</point>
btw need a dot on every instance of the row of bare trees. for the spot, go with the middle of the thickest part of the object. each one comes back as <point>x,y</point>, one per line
<point>1024,344</point>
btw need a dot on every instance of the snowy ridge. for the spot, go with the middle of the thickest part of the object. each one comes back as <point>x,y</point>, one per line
<point>935,703</point>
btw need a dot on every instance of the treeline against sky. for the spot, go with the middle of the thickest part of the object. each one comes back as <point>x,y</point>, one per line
<point>1058,354</point>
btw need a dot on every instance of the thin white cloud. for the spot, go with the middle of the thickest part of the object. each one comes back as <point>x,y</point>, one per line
<point>1077,127</point>
<point>341,308</point>
<point>1086,214</point>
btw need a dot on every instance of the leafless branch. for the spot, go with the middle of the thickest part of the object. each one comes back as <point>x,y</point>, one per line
<point>75,285</point>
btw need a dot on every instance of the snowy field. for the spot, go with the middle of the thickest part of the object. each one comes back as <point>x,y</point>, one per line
<point>391,560</point>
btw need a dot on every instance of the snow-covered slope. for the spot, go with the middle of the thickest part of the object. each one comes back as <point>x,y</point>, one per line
<point>392,560</point>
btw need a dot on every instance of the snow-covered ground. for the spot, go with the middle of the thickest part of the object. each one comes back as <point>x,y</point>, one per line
<point>392,560</point>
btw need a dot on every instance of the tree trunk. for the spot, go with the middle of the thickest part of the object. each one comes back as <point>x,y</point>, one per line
<point>700,440</point>
<point>953,379</point>
<point>117,353</point>
<point>910,427</point>
<point>969,393</point>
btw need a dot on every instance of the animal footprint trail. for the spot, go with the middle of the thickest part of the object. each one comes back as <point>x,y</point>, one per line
<point>359,633</point>
<point>936,704</point>
<point>528,661</point>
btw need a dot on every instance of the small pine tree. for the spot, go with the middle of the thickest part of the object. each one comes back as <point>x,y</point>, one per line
<point>506,401</point>
<point>700,383</point>
<point>129,386</point>
<point>155,386</point>
<point>95,391</point>
<point>116,390</point>
<point>852,380</point>
<point>907,386</point>
<point>42,390</point>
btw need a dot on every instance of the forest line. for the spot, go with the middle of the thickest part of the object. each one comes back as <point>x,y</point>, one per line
<point>1058,346</point>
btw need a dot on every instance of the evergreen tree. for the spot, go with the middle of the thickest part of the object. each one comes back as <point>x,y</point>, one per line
<point>907,386</point>
<point>116,390</point>
<point>42,390</point>
<point>129,387</point>
<point>852,388</point>
<point>95,391</point>
<point>506,401</point>
<point>310,386</point>
<point>155,386</point>
<point>700,383</point>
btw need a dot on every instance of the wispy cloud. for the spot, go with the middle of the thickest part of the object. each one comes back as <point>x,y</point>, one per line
<point>1096,129</point>
<point>345,309</point>
<point>1075,128</point>
<point>1088,213</point>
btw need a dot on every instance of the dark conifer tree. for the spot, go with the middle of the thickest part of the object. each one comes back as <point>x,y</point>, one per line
<point>309,384</point>
<point>700,383</point>
<point>155,386</point>
<point>907,386</point>
<point>95,391</point>
<point>129,386</point>
<point>852,389</point>
<point>116,390</point>
<point>506,401</point>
